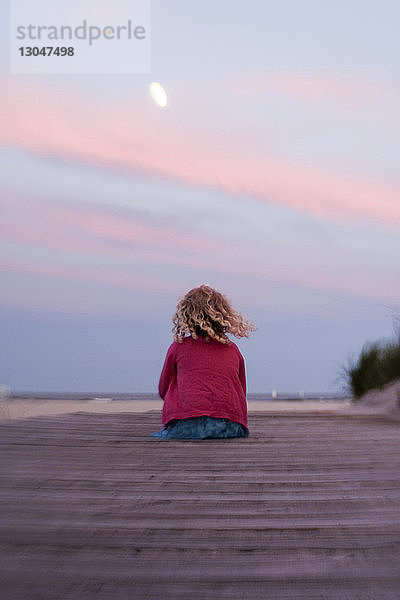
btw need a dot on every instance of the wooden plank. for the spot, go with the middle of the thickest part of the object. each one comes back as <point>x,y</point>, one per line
<point>307,507</point>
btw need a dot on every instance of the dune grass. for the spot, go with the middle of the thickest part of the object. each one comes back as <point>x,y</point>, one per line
<point>377,365</point>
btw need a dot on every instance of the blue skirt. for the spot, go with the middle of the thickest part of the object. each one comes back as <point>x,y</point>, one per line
<point>201,428</point>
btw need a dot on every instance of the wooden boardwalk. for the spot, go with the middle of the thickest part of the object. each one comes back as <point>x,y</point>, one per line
<point>307,507</point>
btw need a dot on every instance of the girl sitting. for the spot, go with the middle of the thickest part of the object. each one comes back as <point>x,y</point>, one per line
<point>203,380</point>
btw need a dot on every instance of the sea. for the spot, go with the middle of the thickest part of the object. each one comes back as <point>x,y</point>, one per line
<point>146,396</point>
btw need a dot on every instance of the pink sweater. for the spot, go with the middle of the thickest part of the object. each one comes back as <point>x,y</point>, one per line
<point>203,378</point>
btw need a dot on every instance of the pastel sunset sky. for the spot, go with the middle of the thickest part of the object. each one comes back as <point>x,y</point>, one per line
<point>272,175</point>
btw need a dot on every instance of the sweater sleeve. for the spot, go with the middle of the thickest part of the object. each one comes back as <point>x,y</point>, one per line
<point>242,372</point>
<point>168,372</point>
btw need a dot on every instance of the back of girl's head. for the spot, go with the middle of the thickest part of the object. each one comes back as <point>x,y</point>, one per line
<point>205,312</point>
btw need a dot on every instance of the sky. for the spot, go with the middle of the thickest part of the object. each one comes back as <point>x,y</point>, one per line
<point>272,175</point>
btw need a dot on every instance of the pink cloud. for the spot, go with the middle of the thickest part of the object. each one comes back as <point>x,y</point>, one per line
<point>61,290</point>
<point>137,138</point>
<point>102,234</point>
<point>112,278</point>
<point>127,230</point>
<point>383,287</point>
<point>82,233</point>
<point>348,91</point>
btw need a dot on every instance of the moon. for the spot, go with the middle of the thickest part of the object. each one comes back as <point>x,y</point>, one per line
<point>158,94</point>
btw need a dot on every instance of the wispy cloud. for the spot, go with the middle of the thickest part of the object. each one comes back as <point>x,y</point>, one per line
<point>348,91</point>
<point>133,137</point>
<point>97,232</point>
<point>83,290</point>
<point>94,245</point>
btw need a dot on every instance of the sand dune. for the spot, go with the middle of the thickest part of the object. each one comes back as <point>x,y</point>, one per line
<point>380,402</point>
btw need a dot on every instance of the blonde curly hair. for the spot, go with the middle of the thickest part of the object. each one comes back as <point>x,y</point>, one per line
<point>205,312</point>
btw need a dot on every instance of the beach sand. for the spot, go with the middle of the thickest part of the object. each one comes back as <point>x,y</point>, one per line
<point>18,408</point>
<point>92,507</point>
